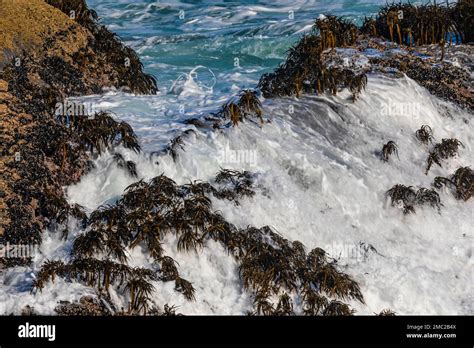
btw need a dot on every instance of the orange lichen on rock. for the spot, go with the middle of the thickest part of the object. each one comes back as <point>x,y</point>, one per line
<point>27,24</point>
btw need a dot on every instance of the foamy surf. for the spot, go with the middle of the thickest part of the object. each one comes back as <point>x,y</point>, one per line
<point>324,186</point>
<point>322,182</point>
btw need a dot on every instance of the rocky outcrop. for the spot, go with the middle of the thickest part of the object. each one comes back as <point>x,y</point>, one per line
<point>50,50</point>
<point>337,54</point>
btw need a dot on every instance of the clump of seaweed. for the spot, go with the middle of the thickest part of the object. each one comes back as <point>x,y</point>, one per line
<point>170,311</point>
<point>356,83</point>
<point>231,111</point>
<point>335,31</point>
<point>461,14</point>
<point>429,197</point>
<point>234,184</point>
<point>102,131</point>
<point>284,306</point>
<point>140,290</point>
<point>129,166</point>
<point>337,308</point>
<point>167,311</point>
<point>270,265</point>
<point>448,148</point>
<point>175,145</point>
<point>288,78</point>
<point>404,194</point>
<point>87,306</point>
<point>103,237</point>
<point>369,26</point>
<point>250,105</point>
<point>306,68</point>
<point>101,274</point>
<point>425,134</point>
<point>261,304</point>
<point>424,24</point>
<point>462,180</point>
<point>168,270</point>
<point>245,107</point>
<point>388,150</point>
<point>53,205</point>
<point>387,312</point>
<point>314,303</point>
<point>146,212</point>
<point>409,198</point>
<point>75,211</point>
<point>185,287</point>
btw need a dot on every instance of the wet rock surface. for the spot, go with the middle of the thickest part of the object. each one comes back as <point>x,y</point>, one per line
<point>338,55</point>
<point>47,56</point>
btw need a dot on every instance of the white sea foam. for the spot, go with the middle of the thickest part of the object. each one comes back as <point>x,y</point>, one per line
<point>325,188</point>
<point>317,160</point>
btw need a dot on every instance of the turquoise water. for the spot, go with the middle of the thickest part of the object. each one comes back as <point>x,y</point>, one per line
<point>204,52</point>
<point>237,40</point>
